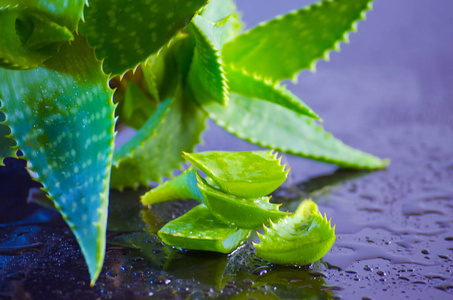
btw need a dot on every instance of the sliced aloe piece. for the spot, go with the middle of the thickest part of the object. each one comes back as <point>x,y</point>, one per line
<point>183,186</point>
<point>282,47</point>
<point>248,174</point>
<point>199,230</point>
<point>237,211</point>
<point>299,239</point>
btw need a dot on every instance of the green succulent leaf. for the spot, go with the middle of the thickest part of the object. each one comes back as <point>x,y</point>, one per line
<point>179,130</point>
<point>280,48</point>
<point>236,211</point>
<point>184,186</point>
<point>299,239</point>
<point>273,126</point>
<point>62,119</point>
<point>227,21</point>
<point>250,85</point>
<point>7,144</point>
<point>64,12</point>
<point>125,33</point>
<point>32,31</point>
<point>199,230</point>
<point>136,107</point>
<point>145,133</point>
<point>206,76</point>
<point>247,174</point>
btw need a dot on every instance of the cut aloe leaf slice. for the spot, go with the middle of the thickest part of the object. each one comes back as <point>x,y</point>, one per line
<point>299,239</point>
<point>199,230</point>
<point>248,174</point>
<point>237,211</point>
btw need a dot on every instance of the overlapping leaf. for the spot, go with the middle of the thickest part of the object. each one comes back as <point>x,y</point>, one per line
<point>244,174</point>
<point>125,33</point>
<point>250,85</point>
<point>179,130</point>
<point>273,126</point>
<point>62,119</point>
<point>32,31</point>
<point>206,73</point>
<point>282,47</point>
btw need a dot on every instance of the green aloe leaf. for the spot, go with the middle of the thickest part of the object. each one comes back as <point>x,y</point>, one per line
<point>136,107</point>
<point>146,132</point>
<point>226,20</point>
<point>7,144</point>
<point>125,33</point>
<point>275,127</point>
<point>206,75</point>
<point>250,85</point>
<point>199,230</point>
<point>301,238</point>
<point>280,48</point>
<point>62,118</point>
<point>32,31</point>
<point>237,211</point>
<point>184,186</point>
<point>247,174</point>
<point>179,130</point>
<point>64,12</point>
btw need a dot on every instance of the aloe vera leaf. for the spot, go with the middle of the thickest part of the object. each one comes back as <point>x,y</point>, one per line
<point>179,130</point>
<point>278,128</point>
<point>13,55</point>
<point>125,33</point>
<point>146,132</point>
<point>299,239</point>
<point>206,75</point>
<point>60,116</point>
<point>32,31</point>
<point>237,211</point>
<point>184,186</point>
<point>199,230</point>
<point>250,85</point>
<point>136,107</point>
<point>248,174</point>
<point>7,144</point>
<point>64,12</point>
<point>227,21</point>
<point>280,48</point>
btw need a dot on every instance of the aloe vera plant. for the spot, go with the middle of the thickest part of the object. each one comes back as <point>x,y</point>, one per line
<point>173,64</point>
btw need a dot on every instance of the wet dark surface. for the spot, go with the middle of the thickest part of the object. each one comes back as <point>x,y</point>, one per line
<point>390,93</point>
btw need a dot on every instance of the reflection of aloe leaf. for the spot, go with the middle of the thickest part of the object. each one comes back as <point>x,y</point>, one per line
<point>199,230</point>
<point>207,268</point>
<point>148,245</point>
<point>302,238</point>
<point>59,120</point>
